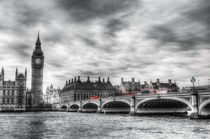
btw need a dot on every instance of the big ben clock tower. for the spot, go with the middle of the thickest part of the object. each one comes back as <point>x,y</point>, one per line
<point>37,64</point>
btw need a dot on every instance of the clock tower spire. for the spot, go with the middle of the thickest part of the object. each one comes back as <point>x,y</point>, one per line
<point>38,42</point>
<point>37,64</point>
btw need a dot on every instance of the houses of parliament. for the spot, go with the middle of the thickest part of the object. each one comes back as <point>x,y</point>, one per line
<point>13,94</point>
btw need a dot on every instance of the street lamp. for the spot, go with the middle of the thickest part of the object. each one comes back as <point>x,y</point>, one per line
<point>193,80</point>
<point>195,93</point>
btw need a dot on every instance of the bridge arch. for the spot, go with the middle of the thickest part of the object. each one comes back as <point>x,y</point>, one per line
<point>117,106</point>
<point>90,107</point>
<point>170,102</point>
<point>64,107</point>
<point>74,107</point>
<point>87,103</point>
<point>203,105</point>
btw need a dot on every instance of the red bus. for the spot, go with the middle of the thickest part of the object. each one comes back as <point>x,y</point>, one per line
<point>161,91</point>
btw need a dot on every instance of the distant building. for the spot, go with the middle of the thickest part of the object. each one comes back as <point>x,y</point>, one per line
<point>75,90</point>
<point>200,88</point>
<point>51,95</point>
<point>146,88</point>
<point>129,87</point>
<point>158,87</point>
<point>117,88</point>
<point>13,93</point>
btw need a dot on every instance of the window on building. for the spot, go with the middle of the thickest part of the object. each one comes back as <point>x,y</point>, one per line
<point>8,93</point>
<point>3,101</point>
<point>7,100</point>
<point>12,101</point>
<point>4,92</point>
<point>13,93</point>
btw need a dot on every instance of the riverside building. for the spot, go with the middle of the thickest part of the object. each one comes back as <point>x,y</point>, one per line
<point>76,90</point>
<point>129,87</point>
<point>132,87</point>
<point>158,87</point>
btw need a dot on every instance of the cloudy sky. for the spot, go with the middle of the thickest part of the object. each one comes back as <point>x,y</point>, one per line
<point>145,39</point>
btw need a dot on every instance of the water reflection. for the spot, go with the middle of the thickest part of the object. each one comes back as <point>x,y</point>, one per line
<point>28,126</point>
<point>36,127</point>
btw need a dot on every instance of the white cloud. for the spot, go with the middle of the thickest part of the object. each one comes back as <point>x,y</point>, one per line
<point>111,43</point>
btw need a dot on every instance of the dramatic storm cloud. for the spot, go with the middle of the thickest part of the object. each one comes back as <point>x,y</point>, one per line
<point>189,31</point>
<point>145,39</point>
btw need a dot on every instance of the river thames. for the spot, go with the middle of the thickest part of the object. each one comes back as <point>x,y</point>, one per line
<point>66,125</point>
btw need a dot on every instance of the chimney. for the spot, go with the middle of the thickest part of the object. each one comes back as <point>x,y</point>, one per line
<point>99,79</point>
<point>88,79</point>
<point>158,80</point>
<point>103,80</point>
<point>69,81</point>
<point>72,80</point>
<point>66,82</point>
<point>108,79</point>
<point>75,79</point>
<point>78,78</point>
<point>133,80</point>
<point>169,81</point>
<point>121,80</point>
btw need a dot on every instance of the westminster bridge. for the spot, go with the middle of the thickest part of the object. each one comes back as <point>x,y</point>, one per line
<point>194,104</point>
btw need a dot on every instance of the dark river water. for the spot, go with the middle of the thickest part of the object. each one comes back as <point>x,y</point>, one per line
<point>66,125</point>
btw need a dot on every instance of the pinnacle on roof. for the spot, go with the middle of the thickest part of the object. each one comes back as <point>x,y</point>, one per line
<point>51,86</point>
<point>16,72</point>
<point>25,71</point>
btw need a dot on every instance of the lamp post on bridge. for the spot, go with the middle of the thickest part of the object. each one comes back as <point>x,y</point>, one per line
<point>114,95</point>
<point>193,80</point>
<point>100,102</point>
<point>194,93</point>
<point>133,102</point>
<point>80,102</point>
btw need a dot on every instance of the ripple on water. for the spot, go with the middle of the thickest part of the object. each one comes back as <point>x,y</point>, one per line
<point>65,125</point>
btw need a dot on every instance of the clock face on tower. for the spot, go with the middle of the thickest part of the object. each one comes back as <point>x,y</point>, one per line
<point>37,60</point>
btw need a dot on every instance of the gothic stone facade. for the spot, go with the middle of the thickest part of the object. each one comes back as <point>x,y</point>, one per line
<point>76,90</point>
<point>35,97</point>
<point>13,93</point>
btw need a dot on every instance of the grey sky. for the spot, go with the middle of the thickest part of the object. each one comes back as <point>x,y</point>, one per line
<point>145,39</point>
